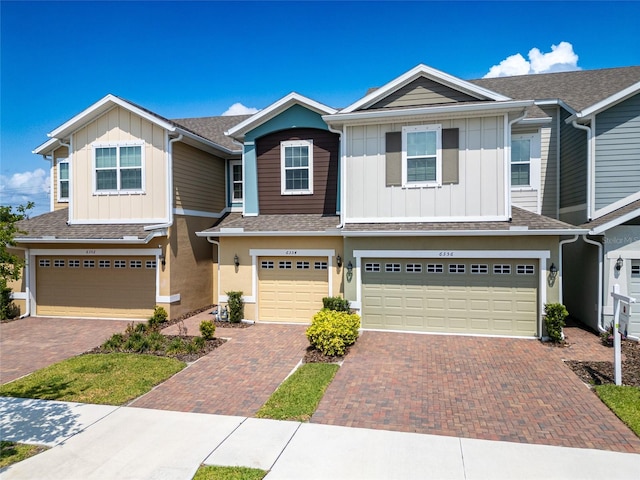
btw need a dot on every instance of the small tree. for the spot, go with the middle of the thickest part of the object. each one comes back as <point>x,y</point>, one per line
<point>236,305</point>
<point>10,264</point>
<point>554,316</point>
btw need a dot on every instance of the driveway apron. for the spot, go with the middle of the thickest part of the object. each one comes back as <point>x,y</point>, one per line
<point>236,378</point>
<point>487,388</point>
<point>32,343</point>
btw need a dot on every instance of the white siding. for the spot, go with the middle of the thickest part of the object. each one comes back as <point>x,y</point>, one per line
<point>479,193</point>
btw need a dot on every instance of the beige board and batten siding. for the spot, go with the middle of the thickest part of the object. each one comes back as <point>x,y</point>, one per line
<point>94,291</point>
<point>479,191</point>
<point>198,180</point>
<point>468,296</point>
<point>117,126</point>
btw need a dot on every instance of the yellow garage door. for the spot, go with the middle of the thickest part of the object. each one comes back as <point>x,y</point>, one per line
<point>492,297</point>
<point>290,289</point>
<point>96,287</point>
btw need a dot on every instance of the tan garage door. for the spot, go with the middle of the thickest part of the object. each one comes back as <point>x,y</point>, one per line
<point>290,289</point>
<point>493,297</point>
<point>96,287</point>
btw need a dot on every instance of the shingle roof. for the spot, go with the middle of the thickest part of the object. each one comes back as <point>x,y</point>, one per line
<point>213,128</point>
<point>54,224</point>
<point>327,224</point>
<point>579,89</point>
<point>520,219</point>
<point>278,223</point>
<point>613,216</point>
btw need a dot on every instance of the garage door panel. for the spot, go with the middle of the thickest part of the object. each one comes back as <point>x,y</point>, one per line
<point>291,294</point>
<point>482,302</point>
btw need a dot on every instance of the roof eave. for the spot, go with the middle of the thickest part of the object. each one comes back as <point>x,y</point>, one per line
<point>463,233</point>
<point>589,112</point>
<point>600,229</point>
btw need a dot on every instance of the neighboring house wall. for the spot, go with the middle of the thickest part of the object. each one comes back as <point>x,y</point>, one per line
<point>18,287</point>
<point>198,180</point>
<point>478,192</point>
<point>617,156</point>
<point>573,173</point>
<point>326,149</point>
<point>118,127</point>
<point>579,277</point>
<point>550,161</point>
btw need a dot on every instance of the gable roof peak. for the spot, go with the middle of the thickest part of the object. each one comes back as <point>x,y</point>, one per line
<point>422,70</point>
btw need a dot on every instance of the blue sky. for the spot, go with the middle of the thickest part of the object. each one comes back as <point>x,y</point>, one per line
<point>189,59</point>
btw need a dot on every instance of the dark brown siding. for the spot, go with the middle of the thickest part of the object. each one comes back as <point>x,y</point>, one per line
<point>326,149</point>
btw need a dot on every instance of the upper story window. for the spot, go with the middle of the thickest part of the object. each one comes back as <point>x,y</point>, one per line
<point>422,155</point>
<point>235,180</point>
<point>296,157</point>
<point>521,162</point>
<point>63,180</point>
<point>118,168</point>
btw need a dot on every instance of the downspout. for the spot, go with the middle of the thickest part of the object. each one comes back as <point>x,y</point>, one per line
<point>170,187</point>
<point>507,163</point>
<point>600,286</point>
<point>589,161</point>
<point>343,170</point>
<point>562,244</point>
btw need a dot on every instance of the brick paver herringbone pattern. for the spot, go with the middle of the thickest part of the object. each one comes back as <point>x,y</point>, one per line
<point>236,378</point>
<point>32,343</point>
<point>488,388</point>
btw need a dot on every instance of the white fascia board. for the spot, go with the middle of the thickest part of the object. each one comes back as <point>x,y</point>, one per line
<point>535,121</point>
<point>431,73</point>
<point>102,106</point>
<point>599,230</point>
<point>606,103</point>
<point>554,101</point>
<point>497,107</point>
<point>118,241</point>
<point>326,233</point>
<point>463,233</point>
<point>274,109</point>
<point>47,147</point>
<point>612,207</point>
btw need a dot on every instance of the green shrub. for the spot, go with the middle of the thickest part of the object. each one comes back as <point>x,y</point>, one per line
<point>337,304</point>
<point>177,345</point>
<point>332,332</point>
<point>8,309</point>
<point>114,344</point>
<point>159,317</point>
<point>207,329</point>
<point>236,305</point>
<point>554,316</point>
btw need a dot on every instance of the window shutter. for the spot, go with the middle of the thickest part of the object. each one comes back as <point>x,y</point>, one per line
<point>450,163</point>
<point>393,150</point>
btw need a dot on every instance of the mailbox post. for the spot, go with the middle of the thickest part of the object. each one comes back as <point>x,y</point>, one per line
<point>621,312</point>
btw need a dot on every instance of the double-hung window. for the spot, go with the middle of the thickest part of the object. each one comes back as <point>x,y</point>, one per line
<point>63,180</point>
<point>118,168</point>
<point>235,180</point>
<point>422,155</point>
<point>521,162</point>
<point>296,157</point>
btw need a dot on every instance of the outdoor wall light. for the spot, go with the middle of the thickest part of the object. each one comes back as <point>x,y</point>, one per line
<point>163,261</point>
<point>236,260</point>
<point>619,263</point>
<point>349,271</point>
<point>553,273</point>
<point>339,261</point>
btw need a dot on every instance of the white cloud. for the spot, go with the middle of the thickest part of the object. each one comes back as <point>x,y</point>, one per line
<point>20,188</point>
<point>561,58</point>
<point>239,109</point>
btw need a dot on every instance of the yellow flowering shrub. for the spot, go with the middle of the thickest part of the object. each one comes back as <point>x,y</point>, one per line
<point>332,332</point>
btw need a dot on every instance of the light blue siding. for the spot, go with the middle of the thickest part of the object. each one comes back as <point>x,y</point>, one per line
<point>617,158</point>
<point>250,180</point>
<point>296,116</point>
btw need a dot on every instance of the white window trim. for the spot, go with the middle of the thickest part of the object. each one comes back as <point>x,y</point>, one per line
<point>117,146</point>
<point>422,128</point>
<point>534,162</point>
<point>283,176</point>
<point>60,161</point>
<point>233,163</point>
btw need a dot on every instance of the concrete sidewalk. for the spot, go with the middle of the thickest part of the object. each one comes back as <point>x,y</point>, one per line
<point>103,442</point>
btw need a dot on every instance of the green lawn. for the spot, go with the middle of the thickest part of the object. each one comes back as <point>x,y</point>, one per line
<point>228,473</point>
<point>624,401</point>
<point>112,379</point>
<point>299,395</point>
<point>11,452</point>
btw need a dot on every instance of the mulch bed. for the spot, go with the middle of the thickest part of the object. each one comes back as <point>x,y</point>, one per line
<point>601,373</point>
<point>314,355</point>
<point>218,323</point>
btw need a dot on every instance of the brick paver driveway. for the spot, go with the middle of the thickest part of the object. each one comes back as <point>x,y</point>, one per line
<point>34,342</point>
<point>488,388</point>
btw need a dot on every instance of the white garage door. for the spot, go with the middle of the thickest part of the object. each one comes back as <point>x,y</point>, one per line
<point>96,287</point>
<point>493,297</point>
<point>290,289</point>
